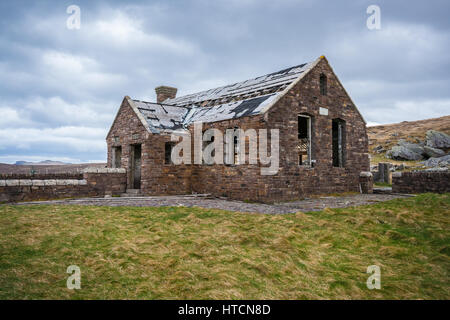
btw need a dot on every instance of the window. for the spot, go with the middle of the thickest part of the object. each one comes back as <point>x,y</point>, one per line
<point>116,157</point>
<point>232,146</point>
<point>338,143</point>
<point>168,152</point>
<point>205,153</point>
<point>323,84</point>
<point>304,137</point>
<point>236,148</point>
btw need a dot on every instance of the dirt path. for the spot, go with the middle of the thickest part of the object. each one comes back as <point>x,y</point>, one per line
<point>210,203</point>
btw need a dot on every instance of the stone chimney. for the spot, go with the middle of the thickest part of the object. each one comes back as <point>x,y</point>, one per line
<point>164,92</point>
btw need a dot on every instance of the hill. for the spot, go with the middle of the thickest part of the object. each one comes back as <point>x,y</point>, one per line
<point>387,135</point>
<point>384,137</point>
<point>40,163</point>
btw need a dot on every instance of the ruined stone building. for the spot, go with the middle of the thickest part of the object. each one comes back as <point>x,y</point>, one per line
<point>323,144</point>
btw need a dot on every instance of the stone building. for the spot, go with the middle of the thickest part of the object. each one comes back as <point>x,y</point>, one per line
<point>323,144</point>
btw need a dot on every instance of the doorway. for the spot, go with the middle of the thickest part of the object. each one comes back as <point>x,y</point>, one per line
<point>135,168</point>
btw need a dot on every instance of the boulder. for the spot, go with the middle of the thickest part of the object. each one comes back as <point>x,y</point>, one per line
<point>435,162</point>
<point>403,153</point>
<point>436,139</point>
<point>433,152</point>
<point>379,149</point>
<point>411,146</point>
<point>437,169</point>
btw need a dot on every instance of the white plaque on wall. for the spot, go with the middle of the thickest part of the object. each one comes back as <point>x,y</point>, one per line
<point>323,111</point>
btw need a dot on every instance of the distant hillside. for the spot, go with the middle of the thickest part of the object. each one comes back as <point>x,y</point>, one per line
<point>413,131</point>
<point>41,163</point>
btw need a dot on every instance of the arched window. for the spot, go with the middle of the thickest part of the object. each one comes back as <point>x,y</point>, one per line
<point>323,84</point>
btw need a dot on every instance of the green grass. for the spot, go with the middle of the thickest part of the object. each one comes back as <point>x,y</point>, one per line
<point>192,253</point>
<point>375,158</point>
<point>382,184</point>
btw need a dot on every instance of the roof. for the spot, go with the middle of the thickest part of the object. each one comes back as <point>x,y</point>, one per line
<point>269,83</point>
<point>241,99</point>
<point>161,117</point>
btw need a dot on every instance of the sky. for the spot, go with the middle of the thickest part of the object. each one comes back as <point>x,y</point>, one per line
<point>60,88</point>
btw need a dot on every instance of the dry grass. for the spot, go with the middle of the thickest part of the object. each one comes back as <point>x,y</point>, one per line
<point>388,135</point>
<point>192,253</point>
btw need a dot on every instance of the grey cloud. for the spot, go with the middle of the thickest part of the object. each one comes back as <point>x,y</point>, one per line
<point>54,78</point>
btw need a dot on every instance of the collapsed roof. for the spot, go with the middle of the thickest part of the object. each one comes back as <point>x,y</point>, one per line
<point>246,98</point>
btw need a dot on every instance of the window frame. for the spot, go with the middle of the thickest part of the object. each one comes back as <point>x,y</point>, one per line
<point>309,161</point>
<point>338,152</point>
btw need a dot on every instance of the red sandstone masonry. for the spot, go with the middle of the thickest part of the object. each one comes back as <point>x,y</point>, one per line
<point>94,184</point>
<point>157,178</point>
<point>245,182</point>
<point>420,182</point>
<point>41,176</point>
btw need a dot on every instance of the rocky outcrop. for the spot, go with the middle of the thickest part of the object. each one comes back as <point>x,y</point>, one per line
<point>379,149</point>
<point>411,146</point>
<point>414,151</point>
<point>437,162</point>
<point>436,139</point>
<point>403,153</point>
<point>433,152</point>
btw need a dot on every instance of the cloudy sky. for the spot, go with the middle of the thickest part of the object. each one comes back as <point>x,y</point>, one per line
<point>60,88</point>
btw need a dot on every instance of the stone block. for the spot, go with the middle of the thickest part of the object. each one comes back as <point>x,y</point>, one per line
<point>38,182</point>
<point>12,183</point>
<point>50,182</point>
<point>25,182</point>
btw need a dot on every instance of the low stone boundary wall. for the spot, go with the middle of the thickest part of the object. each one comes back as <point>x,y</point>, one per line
<point>420,182</point>
<point>94,182</point>
<point>41,176</point>
<point>106,181</point>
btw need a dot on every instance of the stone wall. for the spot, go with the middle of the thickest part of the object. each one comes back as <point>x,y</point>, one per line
<point>106,181</point>
<point>420,182</point>
<point>294,181</point>
<point>92,184</point>
<point>244,181</point>
<point>157,177</point>
<point>41,176</point>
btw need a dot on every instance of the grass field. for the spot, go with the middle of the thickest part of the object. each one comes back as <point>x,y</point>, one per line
<point>192,253</point>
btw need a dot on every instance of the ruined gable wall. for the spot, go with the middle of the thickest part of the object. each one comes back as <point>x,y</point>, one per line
<point>157,178</point>
<point>295,181</point>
